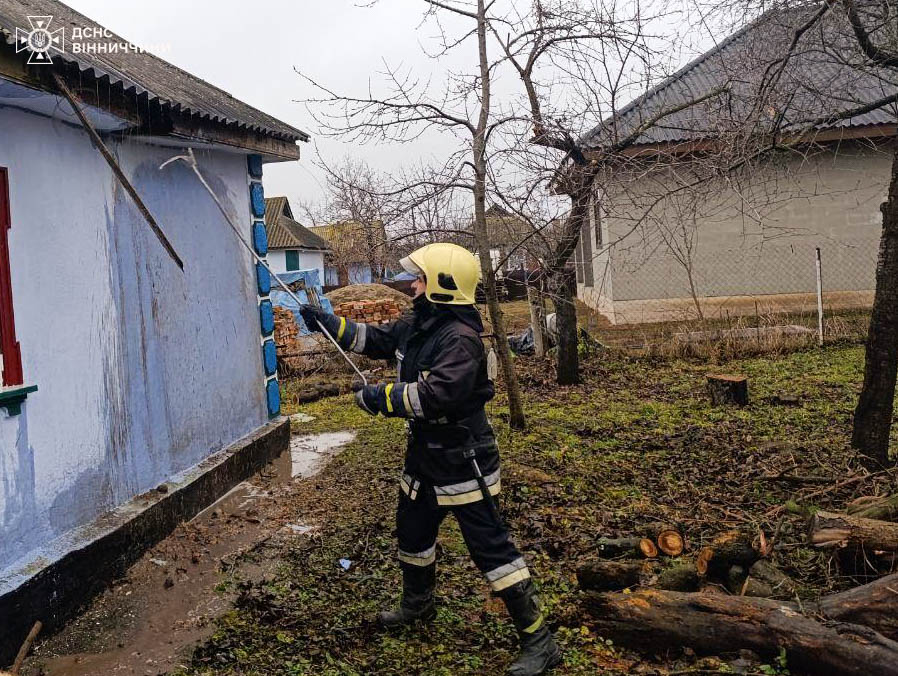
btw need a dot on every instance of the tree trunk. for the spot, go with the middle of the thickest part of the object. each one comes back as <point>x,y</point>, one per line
<point>516,418</point>
<point>568,367</point>
<point>873,415</point>
<point>537,320</point>
<point>829,529</point>
<point>715,624</point>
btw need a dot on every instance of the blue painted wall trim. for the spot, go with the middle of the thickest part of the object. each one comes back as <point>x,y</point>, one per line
<point>260,238</point>
<point>254,166</point>
<point>270,357</point>
<point>273,392</point>
<point>263,279</point>
<point>257,199</point>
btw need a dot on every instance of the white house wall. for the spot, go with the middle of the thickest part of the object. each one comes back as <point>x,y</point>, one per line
<point>308,260</point>
<point>142,369</point>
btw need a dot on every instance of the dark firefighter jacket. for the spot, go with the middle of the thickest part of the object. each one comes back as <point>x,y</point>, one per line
<point>441,390</point>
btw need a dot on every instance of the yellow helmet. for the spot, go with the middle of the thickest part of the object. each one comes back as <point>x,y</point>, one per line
<point>452,272</point>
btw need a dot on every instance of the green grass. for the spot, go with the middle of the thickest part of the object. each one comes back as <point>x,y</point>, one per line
<point>635,443</point>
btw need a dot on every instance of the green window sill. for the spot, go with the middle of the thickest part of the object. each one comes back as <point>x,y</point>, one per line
<point>11,398</point>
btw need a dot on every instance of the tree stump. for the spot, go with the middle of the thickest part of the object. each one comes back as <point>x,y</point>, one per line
<point>728,390</point>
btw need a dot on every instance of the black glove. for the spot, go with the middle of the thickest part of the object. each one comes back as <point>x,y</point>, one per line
<point>315,317</point>
<point>366,398</point>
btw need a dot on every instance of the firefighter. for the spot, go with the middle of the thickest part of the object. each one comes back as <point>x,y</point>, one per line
<point>441,390</point>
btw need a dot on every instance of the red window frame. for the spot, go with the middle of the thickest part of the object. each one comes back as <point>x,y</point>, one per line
<point>11,354</point>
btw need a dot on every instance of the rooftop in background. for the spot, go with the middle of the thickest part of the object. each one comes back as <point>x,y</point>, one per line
<point>139,83</point>
<point>349,238</point>
<point>286,233</point>
<point>819,79</point>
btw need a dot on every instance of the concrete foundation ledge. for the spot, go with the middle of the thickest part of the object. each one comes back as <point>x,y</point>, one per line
<point>56,582</point>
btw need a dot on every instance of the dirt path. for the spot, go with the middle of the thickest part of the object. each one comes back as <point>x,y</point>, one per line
<point>147,622</point>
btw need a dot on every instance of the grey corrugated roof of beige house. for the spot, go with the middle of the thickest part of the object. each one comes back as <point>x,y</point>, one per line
<point>813,84</point>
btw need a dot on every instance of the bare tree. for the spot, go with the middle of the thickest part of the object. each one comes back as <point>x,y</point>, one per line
<point>874,27</point>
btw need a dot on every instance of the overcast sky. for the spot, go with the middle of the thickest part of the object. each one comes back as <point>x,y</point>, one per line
<point>250,49</point>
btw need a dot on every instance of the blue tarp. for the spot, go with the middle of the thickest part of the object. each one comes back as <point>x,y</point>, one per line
<point>404,277</point>
<point>280,298</point>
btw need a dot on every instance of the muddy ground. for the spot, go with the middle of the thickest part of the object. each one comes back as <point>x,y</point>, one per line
<point>637,442</point>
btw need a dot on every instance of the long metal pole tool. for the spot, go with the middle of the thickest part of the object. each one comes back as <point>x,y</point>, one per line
<point>190,160</point>
<point>117,170</point>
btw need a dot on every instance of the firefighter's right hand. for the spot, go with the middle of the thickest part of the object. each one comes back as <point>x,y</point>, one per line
<point>366,398</point>
<point>313,317</point>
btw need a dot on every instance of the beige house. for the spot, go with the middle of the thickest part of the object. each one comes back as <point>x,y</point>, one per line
<point>672,237</point>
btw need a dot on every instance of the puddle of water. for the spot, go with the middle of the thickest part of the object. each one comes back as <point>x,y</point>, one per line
<point>308,454</point>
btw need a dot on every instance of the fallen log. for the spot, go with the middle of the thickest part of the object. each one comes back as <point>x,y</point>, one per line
<point>829,529</point>
<point>714,624</point>
<point>874,605</point>
<point>626,547</point>
<point>884,509</point>
<point>613,575</point>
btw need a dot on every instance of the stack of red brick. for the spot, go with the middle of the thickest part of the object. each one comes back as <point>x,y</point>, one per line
<point>285,329</point>
<point>369,311</point>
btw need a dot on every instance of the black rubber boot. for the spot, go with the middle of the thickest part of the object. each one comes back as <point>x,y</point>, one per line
<point>417,598</point>
<point>539,652</point>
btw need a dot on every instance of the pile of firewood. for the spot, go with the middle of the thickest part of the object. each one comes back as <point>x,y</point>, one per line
<point>730,596</point>
<point>369,311</point>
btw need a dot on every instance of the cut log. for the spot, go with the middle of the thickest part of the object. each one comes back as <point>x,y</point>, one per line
<point>715,624</point>
<point>727,390</point>
<point>611,548</point>
<point>671,542</point>
<point>780,585</point>
<point>729,549</point>
<point>613,575</point>
<point>740,583</point>
<point>669,539</point>
<point>703,559</point>
<point>683,577</point>
<point>885,509</point>
<point>829,529</point>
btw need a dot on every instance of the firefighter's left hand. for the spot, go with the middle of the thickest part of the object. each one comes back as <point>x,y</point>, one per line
<point>366,398</point>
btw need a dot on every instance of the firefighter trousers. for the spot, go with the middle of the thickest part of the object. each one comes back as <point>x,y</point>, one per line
<point>487,539</point>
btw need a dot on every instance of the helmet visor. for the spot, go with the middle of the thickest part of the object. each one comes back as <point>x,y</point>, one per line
<point>409,266</point>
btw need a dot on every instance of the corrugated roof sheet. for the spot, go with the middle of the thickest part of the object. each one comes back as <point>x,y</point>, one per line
<point>824,75</point>
<point>145,74</point>
<point>284,232</point>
